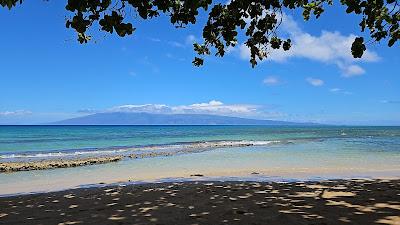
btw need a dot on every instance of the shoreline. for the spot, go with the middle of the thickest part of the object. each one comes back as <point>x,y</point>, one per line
<point>199,178</point>
<point>213,202</point>
<point>207,165</point>
<point>18,189</point>
<point>303,161</point>
<point>132,152</point>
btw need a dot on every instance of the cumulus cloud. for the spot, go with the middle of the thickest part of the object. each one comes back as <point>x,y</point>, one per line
<point>329,47</point>
<point>350,70</point>
<point>315,82</point>
<point>271,81</point>
<point>16,113</point>
<point>213,107</point>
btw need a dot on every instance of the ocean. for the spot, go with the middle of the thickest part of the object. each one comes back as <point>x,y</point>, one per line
<point>231,152</point>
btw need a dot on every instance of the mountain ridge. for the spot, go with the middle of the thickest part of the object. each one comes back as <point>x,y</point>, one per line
<point>128,118</point>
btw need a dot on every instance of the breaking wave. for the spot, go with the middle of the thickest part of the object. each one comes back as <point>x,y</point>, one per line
<point>190,146</point>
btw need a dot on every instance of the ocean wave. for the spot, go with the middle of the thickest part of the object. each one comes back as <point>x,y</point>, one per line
<point>131,149</point>
<point>59,154</point>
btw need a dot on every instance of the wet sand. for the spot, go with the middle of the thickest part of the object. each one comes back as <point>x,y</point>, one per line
<point>324,202</point>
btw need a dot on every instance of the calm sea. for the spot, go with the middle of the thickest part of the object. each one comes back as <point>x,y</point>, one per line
<point>51,141</point>
<point>268,153</point>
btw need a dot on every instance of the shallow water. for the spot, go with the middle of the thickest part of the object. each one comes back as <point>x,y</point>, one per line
<point>300,153</point>
<point>56,141</point>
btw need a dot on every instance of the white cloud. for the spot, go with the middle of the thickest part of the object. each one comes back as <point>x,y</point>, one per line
<point>335,89</point>
<point>16,113</point>
<point>190,39</point>
<point>244,52</point>
<point>340,91</point>
<point>329,47</point>
<point>216,107</point>
<point>154,108</point>
<point>315,82</point>
<point>213,107</point>
<point>271,80</point>
<point>351,70</point>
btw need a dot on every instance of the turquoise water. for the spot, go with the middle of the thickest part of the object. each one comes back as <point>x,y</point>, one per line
<point>274,153</point>
<point>28,141</point>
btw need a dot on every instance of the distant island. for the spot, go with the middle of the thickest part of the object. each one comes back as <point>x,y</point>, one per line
<point>126,118</point>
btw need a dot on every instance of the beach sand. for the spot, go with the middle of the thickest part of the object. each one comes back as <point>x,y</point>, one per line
<point>323,202</point>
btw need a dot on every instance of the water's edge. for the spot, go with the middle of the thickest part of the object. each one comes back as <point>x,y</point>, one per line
<point>197,178</point>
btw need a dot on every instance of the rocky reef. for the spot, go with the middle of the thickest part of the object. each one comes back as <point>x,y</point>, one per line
<point>51,164</point>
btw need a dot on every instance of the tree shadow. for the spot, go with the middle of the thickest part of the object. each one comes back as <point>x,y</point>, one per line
<point>328,202</point>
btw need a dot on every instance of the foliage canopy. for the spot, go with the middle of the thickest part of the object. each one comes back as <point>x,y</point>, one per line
<point>257,19</point>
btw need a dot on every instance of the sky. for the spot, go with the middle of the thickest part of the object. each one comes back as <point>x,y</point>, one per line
<point>46,75</point>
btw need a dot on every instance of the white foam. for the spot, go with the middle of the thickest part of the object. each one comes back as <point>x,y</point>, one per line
<point>59,154</point>
<point>172,147</point>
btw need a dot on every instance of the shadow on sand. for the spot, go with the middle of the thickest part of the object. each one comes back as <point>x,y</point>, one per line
<point>328,202</point>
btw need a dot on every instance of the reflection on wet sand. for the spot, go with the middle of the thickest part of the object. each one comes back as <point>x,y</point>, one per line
<point>326,202</point>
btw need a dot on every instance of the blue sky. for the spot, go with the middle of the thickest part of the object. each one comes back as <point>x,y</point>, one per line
<point>46,75</point>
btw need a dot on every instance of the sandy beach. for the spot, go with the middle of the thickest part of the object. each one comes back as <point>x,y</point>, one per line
<point>325,202</point>
<point>292,178</point>
<point>178,112</point>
